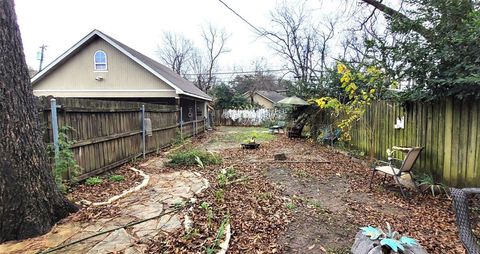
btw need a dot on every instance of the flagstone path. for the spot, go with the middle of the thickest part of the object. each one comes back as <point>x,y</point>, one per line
<point>162,194</point>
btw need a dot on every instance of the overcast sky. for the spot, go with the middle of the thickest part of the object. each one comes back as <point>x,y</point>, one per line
<point>59,24</point>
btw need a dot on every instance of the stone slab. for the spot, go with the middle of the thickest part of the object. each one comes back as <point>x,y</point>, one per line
<point>115,241</point>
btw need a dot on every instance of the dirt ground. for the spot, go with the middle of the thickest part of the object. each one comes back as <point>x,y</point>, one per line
<point>323,228</point>
<point>327,197</point>
<point>313,202</point>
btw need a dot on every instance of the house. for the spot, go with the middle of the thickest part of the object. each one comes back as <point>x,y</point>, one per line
<point>100,67</point>
<point>266,99</point>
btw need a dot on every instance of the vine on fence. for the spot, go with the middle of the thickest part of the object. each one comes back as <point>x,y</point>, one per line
<point>65,163</point>
<point>361,89</point>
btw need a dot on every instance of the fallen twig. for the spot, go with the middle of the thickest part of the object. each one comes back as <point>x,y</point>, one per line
<point>144,183</point>
<point>237,181</point>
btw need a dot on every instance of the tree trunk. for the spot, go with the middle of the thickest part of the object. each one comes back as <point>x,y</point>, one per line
<point>30,201</point>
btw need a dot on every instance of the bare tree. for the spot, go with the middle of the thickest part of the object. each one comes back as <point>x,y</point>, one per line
<point>259,80</point>
<point>214,39</point>
<point>204,63</point>
<point>370,42</point>
<point>324,37</point>
<point>297,39</point>
<point>392,13</point>
<point>198,65</point>
<point>302,43</point>
<point>30,201</point>
<point>175,51</point>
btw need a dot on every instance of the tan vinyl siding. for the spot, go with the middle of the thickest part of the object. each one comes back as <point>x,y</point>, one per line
<point>260,100</point>
<point>124,78</point>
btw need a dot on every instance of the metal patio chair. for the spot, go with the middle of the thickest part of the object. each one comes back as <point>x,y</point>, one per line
<point>462,217</point>
<point>388,168</point>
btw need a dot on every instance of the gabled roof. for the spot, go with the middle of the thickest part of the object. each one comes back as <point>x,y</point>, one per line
<point>181,85</point>
<point>271,95</point>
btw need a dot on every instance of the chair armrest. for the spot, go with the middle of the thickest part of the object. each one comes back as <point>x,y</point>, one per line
<point>396,162</point>
<point>379,163</point>
<point>395,159</point>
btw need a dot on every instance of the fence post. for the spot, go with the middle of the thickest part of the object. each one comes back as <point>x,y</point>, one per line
<point>195,122</point>
<point>181,123</point>
<point>53,108</point>
<point>143,130</point>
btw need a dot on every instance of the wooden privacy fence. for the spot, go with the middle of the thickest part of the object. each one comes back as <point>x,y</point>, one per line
<point>192,128</point>
<point>110,133</point>
<point>449,130</point>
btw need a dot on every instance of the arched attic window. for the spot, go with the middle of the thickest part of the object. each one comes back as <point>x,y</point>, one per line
<point>100,61</point>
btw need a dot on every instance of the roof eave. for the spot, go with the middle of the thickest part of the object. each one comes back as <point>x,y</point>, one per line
<point>67,53</point>
<point>59,59</point>
<point>195,96</point>
<point>265,97</point>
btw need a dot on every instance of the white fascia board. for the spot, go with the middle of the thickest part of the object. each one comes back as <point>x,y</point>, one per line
<point>177,89</point>
<point>63,56</point>
<point>104,37</point>
<point>139,62</point>
<point>195,96</point>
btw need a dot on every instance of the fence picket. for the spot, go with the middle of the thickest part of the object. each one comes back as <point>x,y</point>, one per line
<point>107,133</point>
<point>449,130</point>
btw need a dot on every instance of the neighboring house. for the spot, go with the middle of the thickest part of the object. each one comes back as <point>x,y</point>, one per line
<point>266,99</point>
<point>101,67</point>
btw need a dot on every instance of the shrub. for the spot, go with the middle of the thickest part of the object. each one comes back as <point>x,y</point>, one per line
<point>93,180</point>
<point>427,183</point>
<point>267,123</point>
<point>189,158</point>
<point>117,178</point>
<point>64,161</point>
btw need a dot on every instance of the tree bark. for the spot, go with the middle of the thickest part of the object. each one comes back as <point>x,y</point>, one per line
<point>30,203</point>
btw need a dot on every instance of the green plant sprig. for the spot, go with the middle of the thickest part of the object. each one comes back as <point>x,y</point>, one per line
<point>65,163</point>
<point>194,157</point>
<point>93,181</point>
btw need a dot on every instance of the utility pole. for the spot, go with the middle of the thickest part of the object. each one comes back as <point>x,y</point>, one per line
<point>40,56</point>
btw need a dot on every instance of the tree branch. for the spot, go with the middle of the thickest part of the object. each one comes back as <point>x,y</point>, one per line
<point>394,14</point>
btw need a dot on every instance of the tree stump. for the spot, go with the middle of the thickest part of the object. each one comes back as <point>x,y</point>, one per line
<point>363,245</point>
<point>280,157</point>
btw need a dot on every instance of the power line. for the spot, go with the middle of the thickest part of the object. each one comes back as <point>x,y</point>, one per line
<point>242,18</point>
<point>266,35</point>
<point>271,80</point>
<point>236,72</point>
